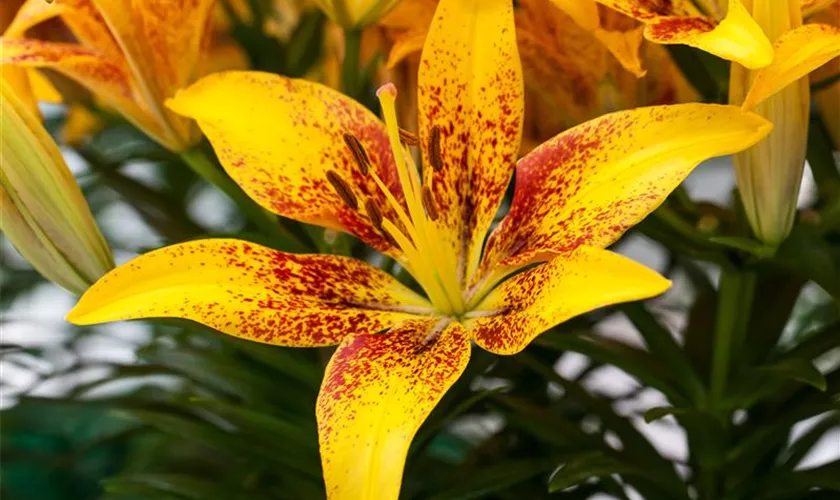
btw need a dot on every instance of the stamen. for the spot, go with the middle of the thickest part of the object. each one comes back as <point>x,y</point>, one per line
<point>434,333</point>
<point>358,152</point>
<point>408,138</point>
<point>429,203</point>
<point>342,189</point>
<point>374,214</point>
<point>435,156</point>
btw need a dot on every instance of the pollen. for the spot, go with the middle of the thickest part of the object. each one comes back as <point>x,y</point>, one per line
<point>435,156</point>
<point>342,189</point>
<point>358,152</point>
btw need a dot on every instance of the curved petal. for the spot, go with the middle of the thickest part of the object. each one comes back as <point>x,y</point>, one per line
<point>81,16</point>
<point>470,90</point>
<point>589,184</point>
<point>253,292</point>
<point>568,285</point>
<point>278,138</point>
<point>377,391</point>
<point>736,38</point>
<point>798,52</point>
<point>105,77</point>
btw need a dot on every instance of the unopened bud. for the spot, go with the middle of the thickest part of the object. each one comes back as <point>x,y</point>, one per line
<point>43,212</point>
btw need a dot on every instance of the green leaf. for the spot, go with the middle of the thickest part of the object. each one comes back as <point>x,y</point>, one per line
<point>482,482</point>
<point>171,486</point>
<point>807,254</point>
<point>586,466</point>
<point>748,245</point>
<point>641,364</point>
<point>800,448</point>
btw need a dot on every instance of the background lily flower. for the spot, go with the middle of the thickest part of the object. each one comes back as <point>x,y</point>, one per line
<point>44,214</point>
<point>309,153</point>
<point>769,174</point>
<point>133,55</point>
<point>735,36</point>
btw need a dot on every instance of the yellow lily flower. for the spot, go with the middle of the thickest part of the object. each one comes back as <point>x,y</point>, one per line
<point>133,54</point>
<point>735,36</point>
<point>769,174</point>
<point>307,152</point>
<point>42,209</point>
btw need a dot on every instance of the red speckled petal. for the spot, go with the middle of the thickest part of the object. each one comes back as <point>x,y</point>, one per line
<point>377,391</point>
<point>253,292</point>
<point>589,184</point>
<point>736,38</point>
<point>278,137</point>
<point>569,285</point>
<point>470,86</point>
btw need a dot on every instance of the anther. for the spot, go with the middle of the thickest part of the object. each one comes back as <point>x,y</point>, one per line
<point>435,156</point>
<point>408,138</point>
<point>358,152</point>
<point>373,213</point>
<point>429,203</point>
<point>342,190</point>
<point>390,239</point>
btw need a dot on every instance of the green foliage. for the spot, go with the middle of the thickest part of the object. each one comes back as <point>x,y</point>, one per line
<point>221,418</point>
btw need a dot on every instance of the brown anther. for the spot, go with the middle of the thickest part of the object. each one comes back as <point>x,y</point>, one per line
<point>435,156</point>
<point>408,138</point>
<point>390,239</point>
<point>358,152</point>
<point>374,214</point>
<point>342,189</point>
<point>429,203</point>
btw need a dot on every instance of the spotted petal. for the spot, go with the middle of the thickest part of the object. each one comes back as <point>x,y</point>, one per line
<point>568,285</point>
<point>471,91</point>
<point>736,38</point>
<point>278,138</point>
<point>589,184</point>
<point>253,292</point>
<point>377,391</point>
<point>798,52</point>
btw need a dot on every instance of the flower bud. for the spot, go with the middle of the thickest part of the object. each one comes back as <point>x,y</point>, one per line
<point>769,174</point>
<point>43,212</point>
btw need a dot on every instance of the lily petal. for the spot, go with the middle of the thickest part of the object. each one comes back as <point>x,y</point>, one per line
<point>250,291</point>
<point>377,391</point>
<point>471,91</point>
<point>589,184</point>
<point>566,286</point>
<point>736,38</point>
<point>278,138</point>
<point>81,16</point>
<point>798,52</point>
<point>103,76</point>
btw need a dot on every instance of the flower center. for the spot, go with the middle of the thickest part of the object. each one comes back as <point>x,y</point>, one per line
<point>424,254</point>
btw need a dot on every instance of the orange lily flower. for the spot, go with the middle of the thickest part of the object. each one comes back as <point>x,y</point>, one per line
<point>133,55</point>
<point>307,152</point>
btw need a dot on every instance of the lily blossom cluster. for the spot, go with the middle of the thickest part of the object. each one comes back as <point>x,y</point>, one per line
<point>309,153</point>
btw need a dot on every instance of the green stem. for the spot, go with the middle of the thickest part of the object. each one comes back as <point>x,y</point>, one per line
<point>737,288</point>
<point>282,238</point>
<point>350,68</point>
